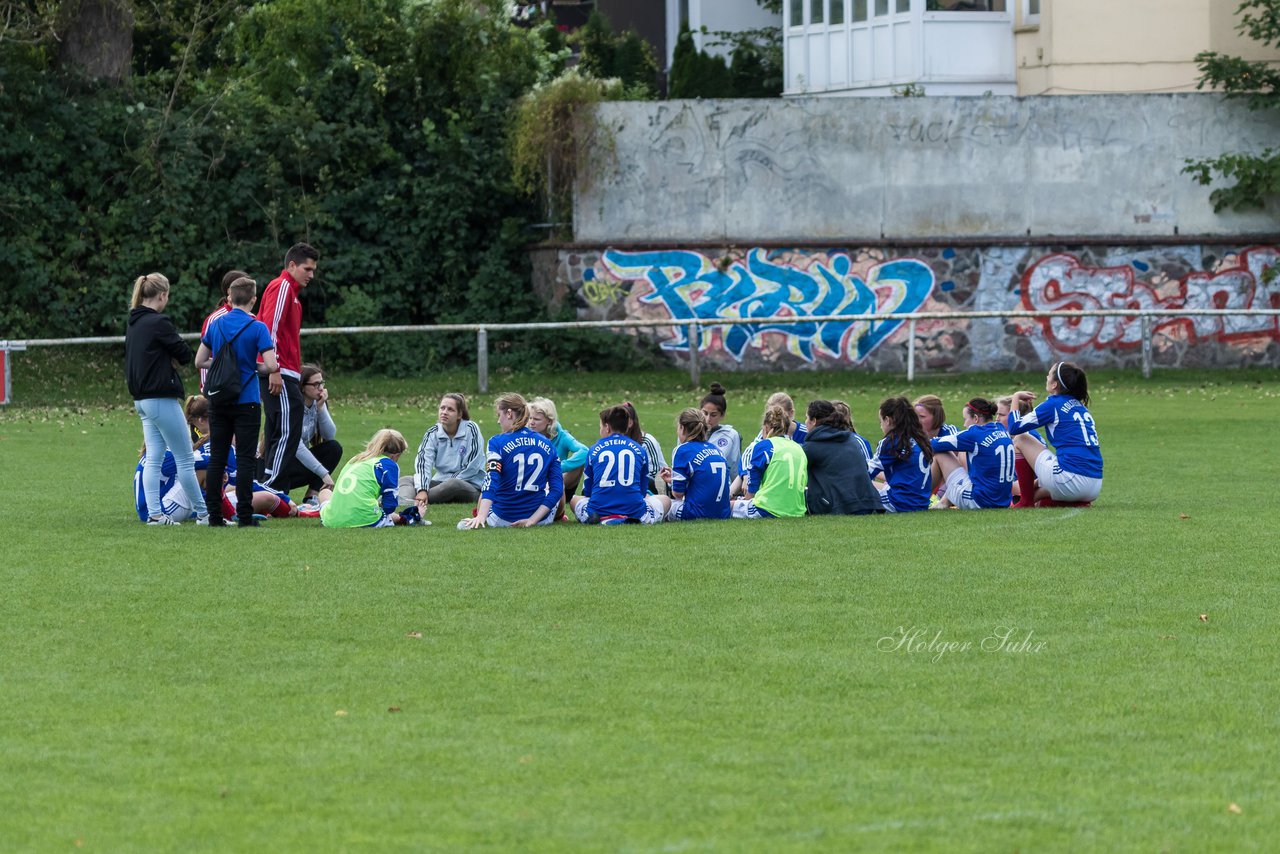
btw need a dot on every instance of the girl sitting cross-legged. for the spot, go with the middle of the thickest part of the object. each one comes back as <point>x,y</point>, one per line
<point>988,479</point>
<point>615,479</point>
<point>777,474</point>
<point>699,473</point>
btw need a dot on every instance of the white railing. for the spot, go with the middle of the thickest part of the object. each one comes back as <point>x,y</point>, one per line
<point>692,325</point>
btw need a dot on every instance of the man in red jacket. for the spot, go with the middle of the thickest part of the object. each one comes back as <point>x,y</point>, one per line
<point>281,310</point>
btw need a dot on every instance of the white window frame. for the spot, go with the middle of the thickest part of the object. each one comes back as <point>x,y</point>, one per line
<point>1029,19</point>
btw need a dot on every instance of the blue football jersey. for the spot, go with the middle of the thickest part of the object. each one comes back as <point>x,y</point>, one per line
<point>522,472</point>
<point>910,481</point>
<point>168,477</point>
<point>990,453</point>
<point>1071,432</point>
<point>867,451</point>
<point>615,477</point>
<point>701,473</point>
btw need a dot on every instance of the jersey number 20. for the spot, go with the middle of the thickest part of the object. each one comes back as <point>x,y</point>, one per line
<point>625,465</point>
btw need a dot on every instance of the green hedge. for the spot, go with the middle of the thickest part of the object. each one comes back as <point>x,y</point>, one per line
<point>374,129</point>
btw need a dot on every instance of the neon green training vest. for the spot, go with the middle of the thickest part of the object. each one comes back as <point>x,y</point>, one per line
<point>785,478</point>
<point>357,497</point>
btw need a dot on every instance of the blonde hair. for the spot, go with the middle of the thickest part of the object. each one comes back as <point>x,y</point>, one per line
<point>513,402</point>
<point>694,423</point>
<point>147,287</point>
<point>781,398</point>
<point>385,443</point>
<point>776,421</point>
<point>1024,406</point>
<point>547,410</point>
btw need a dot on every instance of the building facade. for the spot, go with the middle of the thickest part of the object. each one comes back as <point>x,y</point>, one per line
<point>1004,47</point>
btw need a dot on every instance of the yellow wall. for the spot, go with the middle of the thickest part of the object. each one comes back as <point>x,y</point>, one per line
<point>1094,46</point>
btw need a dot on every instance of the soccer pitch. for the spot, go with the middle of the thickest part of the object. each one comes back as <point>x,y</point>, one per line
<point>1064,679</point>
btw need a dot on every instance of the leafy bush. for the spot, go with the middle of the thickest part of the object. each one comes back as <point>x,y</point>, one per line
<point>1255,177</point>
<point>377,130</point>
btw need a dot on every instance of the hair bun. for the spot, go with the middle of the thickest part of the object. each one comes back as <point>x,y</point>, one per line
<point>716,388</point>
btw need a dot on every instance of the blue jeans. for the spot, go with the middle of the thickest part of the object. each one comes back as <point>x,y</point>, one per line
<point>165,427</point>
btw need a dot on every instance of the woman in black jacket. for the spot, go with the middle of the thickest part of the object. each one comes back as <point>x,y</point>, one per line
<point>152,352</point>
<point>838,479</point>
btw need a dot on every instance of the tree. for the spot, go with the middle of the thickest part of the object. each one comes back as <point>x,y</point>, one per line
<point>1256,176</point>
<point>684,64</point>
<point>96,38</point>
<point>626,56</point>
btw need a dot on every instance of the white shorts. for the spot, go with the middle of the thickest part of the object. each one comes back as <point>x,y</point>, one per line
<point>652,511</point>
<point>959,490</point>
<point>496,521</point>
<point>1064,485</point>
<point>745,508</point>
<point>176,505</point>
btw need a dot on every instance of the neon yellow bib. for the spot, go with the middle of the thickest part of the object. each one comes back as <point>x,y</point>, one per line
<point>357,497</point>
<point>782,489</point>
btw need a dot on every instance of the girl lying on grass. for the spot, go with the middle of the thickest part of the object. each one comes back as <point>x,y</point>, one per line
<point>174,501</point>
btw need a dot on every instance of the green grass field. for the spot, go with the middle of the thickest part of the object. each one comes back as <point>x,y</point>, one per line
<point>698,686</point>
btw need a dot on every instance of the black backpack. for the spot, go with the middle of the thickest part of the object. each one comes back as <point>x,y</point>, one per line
<point>222,383</point>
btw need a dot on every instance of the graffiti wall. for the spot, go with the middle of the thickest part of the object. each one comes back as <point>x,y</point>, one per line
<point>762,285</point>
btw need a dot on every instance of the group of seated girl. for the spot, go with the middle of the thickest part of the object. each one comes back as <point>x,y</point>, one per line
<point>997,455</point>
<point>534,471</point>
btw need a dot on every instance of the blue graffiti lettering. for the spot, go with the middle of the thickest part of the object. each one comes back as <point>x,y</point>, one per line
<point>690,285</point>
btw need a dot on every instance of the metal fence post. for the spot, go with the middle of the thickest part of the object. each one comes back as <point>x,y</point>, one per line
<point>1146,346</point>
<point>695,370</point>
<point>911,350</point>
<point>482,359</point>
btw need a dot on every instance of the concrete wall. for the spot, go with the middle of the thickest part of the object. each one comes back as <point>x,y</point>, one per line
<point>763,209</point>
<point>796,170</point>
<point>763,284</point>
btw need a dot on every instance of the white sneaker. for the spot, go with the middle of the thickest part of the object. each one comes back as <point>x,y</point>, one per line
<point>162,519</point>
<point>202,519</point>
